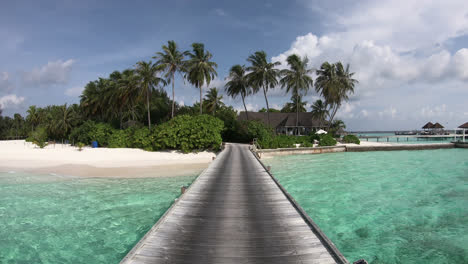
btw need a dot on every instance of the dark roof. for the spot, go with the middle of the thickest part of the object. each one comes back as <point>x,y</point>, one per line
<point>428,125</point>
<point>464,125</point>
<point>281,119</point>
<point>437,125</point>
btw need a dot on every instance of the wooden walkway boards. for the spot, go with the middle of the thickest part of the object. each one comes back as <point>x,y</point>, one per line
<point>235,213</point>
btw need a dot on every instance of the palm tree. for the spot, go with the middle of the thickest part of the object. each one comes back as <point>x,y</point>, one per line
<point>200,69</point>
<point>147,80</point>
<point>65,120</point>
<point>262,75</point>
<point>171,60</point>
<point>33,116</point>
<point>296,104</point>
<point>334,83</point>
<point>238,85</point>
<point>297,79</point>
<point>213,100</point>
<point>320,111</point>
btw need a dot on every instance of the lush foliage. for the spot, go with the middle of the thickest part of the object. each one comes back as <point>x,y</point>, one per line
<point>351,139</point>
<point>327,140</point>
<point>189,133</point>
<point>39,137</point>
<point>200,69</point>
<point>334,83</point>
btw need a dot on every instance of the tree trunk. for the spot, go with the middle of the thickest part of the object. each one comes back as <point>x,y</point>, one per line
<point>173,95</point>
<point>297,114</point>
<point>201,99</point>
<point>245,107</point>
<point>268,107</point>
<point>333,115</point>
<point>148,106</point>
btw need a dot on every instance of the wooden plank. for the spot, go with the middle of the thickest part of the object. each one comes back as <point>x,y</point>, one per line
<point>233,213</point>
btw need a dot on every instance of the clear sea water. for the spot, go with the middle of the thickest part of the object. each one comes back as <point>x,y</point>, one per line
<point>386,207</point>
<point>58,219</point>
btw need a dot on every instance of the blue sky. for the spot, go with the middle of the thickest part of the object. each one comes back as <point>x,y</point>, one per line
<point>411,60</point>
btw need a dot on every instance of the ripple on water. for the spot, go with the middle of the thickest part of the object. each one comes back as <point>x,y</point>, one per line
<point>55,219</point>
<point>386,207</point>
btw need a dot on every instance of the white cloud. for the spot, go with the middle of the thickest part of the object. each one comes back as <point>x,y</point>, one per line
<point>5,83</point>
<point>405,25</point>
<point>10,100</point>
<point>53,73</point>
<point>460,59</point>
<point>74,91</point>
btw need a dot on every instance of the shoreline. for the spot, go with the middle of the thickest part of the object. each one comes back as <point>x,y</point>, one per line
<point>21,156</point>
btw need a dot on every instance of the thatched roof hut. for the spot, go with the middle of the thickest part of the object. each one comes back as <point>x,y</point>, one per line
<point>465,126</point>
<point>428,125</point>
<point>438,126</point>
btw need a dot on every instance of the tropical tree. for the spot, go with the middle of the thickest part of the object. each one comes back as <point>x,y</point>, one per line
<point>171,60</point>
<point>200,69</point>
<point>238,84</point>
<point>213,100</point>
<point>65,121</point>
<point>334,82</point>
<point>33,117</point>
<point>147,81</point>
<point>320,111</point>
<point>297,79</point>
<point>262,75</point>
<point>296,104</point>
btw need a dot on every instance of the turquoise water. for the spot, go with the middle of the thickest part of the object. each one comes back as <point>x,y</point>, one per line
<point>55,219</point>
<point>387,207</point>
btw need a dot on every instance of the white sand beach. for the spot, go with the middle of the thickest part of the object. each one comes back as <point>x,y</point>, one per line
<point>18,155</point>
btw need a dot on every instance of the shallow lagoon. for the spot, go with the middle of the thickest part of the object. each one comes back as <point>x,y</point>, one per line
<point>62,219</point>
<point>386,207</point>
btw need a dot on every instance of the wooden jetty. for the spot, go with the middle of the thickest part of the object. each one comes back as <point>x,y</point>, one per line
<point>235,212</point>
<point>407,137</point>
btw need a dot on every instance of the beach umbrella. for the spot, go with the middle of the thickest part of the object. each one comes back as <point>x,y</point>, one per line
<point>321,131</point>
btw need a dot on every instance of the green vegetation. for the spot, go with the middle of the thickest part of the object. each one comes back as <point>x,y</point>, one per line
<point>262,75</point>
<point>80,146</point>
<point>334,83</point>
<point>298,80</point>
<point>351,139</point>
<point>200,69</point>
<point>129,108</point>
<point>327,140</point>
<point>39,137</point>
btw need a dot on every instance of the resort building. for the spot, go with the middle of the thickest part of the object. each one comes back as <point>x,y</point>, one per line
<point>285,123</point>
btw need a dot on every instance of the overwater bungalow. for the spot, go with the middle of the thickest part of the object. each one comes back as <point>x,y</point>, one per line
<point>464,127</point>
<point>427,126</point>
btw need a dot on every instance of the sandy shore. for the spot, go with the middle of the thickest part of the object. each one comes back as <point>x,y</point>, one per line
<point>18,155</point>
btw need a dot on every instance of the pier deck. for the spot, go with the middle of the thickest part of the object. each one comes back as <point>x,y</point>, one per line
<point>234,212</point>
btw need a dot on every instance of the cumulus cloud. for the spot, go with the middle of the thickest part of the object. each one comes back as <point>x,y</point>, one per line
<point>400,53</point>
<point>74,91</point>
<point>53,73</point>
<point>11,100</point>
